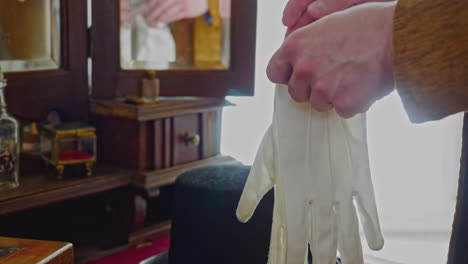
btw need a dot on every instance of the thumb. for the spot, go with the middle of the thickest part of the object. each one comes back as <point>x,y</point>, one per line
<point>321,8</point>
<point>304,20</point>
<point>260,180</point>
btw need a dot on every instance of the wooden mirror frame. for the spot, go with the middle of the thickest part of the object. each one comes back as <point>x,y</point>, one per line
<point>109,80</point>
<point>32,94</point>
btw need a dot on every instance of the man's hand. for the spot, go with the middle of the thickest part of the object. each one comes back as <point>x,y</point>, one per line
<point>225,8</point>
<point>343,60</point>
<point>127,14</point>
<point>299,13</point>
<point>168,11</point>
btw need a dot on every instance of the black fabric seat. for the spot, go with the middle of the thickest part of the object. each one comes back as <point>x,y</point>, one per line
<point>204,226</point>
<point>205,229</point>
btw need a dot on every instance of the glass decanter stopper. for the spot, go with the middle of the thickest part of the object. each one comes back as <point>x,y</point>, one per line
<point>9,147</point>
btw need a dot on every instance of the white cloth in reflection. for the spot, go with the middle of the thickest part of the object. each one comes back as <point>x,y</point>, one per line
<point>318,164</point>
<point>147,47</point>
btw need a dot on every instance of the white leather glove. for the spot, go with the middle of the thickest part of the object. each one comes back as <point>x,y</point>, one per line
<point>318,164</point>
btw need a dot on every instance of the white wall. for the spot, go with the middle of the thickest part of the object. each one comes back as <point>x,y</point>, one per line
<point>244,125</point>
<point>415,170</point>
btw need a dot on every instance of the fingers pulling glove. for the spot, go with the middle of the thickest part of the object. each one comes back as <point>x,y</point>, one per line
<point>318,164</point>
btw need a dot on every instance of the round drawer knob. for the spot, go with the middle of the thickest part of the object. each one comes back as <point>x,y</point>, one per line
<point>192,140</point>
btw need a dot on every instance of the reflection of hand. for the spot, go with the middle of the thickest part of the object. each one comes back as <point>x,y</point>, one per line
<point>168,11</point>
<point>225,8</point>
<point>341,61</point>
<point>127,15</point>
<point>124,11</point>
<point>299,13</point>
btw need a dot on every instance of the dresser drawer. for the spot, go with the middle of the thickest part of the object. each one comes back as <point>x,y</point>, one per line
<point>159,136</point>
<point>186,138</point>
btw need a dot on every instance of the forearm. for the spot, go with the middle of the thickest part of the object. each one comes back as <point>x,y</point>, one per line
<point>430,57</point>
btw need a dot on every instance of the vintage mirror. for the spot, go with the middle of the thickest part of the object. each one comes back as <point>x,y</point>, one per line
<point>44,51</point>
<point>197,47</point>
<point>175,34</point>
<point>29,35</point>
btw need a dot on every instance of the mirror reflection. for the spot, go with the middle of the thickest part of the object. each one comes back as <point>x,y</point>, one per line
<point>29,35</point>
<point>175,34</point>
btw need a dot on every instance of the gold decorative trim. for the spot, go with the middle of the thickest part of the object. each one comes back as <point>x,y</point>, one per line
<point>109,110</point>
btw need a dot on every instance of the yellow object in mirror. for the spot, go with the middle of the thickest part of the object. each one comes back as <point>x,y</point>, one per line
<point>29,35</point>
<point>175,34</point>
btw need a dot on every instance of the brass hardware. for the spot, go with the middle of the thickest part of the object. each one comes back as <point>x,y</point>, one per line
<point>60,169</point>
<point>151,74</point>
<point>191,140</point>
<point>150,88</point>
<point>89,168</point>
<point>112,110</point>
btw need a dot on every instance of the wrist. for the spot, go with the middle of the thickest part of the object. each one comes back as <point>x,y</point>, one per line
<point>388,16</point>
<point>389,10</point>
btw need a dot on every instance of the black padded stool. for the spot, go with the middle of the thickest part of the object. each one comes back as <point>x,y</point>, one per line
<point>205,229</point>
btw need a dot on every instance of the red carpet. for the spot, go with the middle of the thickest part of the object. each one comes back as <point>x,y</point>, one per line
<point>133,255</point>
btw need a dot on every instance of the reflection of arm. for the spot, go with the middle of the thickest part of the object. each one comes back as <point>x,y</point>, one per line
<point>127,13</point>
<point>431,57</point>
<point>168,11</point>
<point>208,37</point>
<point>225,8</point>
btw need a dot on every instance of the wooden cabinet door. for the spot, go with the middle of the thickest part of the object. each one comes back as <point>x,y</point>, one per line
<point>31,95</point>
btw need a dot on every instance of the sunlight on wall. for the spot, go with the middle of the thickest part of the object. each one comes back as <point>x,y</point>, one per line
<point>420,163</point>
<point>244,125</point>
<point>415,167</point>
<point>415,171</point>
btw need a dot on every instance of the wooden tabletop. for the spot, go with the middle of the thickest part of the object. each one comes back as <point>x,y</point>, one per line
<point>165,107</point>
<point>27,251</point>
<point>37,190</point>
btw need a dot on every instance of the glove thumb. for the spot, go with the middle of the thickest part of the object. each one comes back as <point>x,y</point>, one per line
<point>260,179</point>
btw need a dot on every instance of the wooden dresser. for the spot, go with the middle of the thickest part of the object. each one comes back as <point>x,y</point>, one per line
<point>141,148</point>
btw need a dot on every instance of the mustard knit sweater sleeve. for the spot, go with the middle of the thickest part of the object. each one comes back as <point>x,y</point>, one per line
<point>430,57</point>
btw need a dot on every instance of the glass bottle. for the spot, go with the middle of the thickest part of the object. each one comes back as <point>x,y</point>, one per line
<point>9,147</point>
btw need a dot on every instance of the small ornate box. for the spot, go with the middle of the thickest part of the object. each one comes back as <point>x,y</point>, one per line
<point>68,143</point>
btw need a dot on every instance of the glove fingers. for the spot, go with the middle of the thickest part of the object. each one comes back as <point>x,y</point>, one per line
<point>323,238</point>
<point>277,244</point>
<point>349,242</point>
<point>369,220</point>
<point>365,199</point>
<point>260,179</point>
<point>296,232</point>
